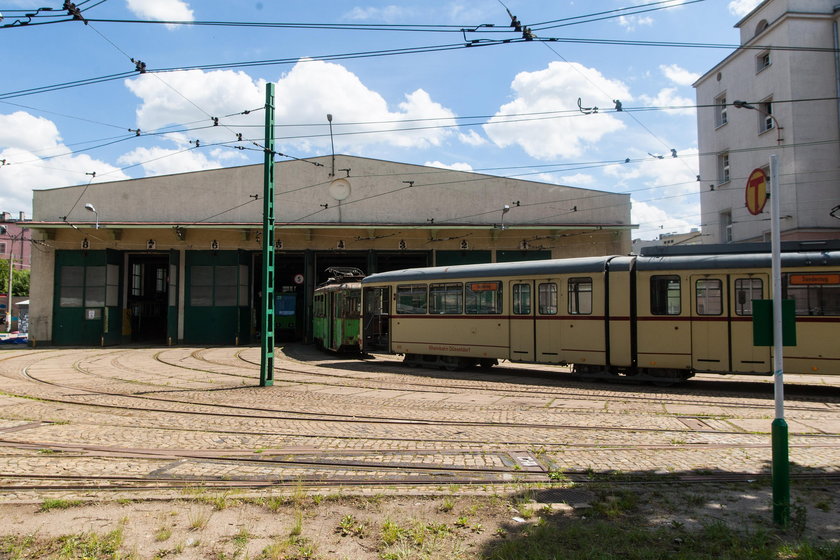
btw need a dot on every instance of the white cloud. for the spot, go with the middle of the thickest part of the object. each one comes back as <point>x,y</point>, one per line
<point>305,95</point>
<point>654,221</point>
<point>678,74</point>
<point>630,23</point>
<point>472,138</point>
<point>668,97</point>
<point>742,7</point>
<point>665,191</point>
<point>557,89</point>
<point>310,90</point>
<point>457,166</point>
<point>161,10</point>
<point>27,132</point>
<point>28,144</point>
<point>680,172</point>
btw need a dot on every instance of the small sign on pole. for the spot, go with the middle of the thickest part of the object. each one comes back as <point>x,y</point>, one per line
<point>755,195</point>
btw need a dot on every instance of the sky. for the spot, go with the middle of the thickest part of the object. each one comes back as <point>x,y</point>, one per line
<point>445,83</point>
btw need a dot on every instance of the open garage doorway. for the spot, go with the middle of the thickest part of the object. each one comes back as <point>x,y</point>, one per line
<point>147,298</point>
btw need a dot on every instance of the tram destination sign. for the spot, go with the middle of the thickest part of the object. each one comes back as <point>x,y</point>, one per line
<point>755,194</point>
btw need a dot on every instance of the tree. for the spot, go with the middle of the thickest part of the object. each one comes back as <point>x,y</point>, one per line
<point>20,280</point>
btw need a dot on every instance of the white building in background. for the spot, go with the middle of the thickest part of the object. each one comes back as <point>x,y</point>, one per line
<point>788,70</point>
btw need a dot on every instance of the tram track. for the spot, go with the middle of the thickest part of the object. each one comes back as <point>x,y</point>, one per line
<point>246,412</point>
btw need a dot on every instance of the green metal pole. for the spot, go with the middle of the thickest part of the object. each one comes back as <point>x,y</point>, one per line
<point>781,473</point>
<point>267,332</point>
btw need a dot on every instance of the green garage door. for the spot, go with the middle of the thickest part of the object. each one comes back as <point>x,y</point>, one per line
<point>216,302</point>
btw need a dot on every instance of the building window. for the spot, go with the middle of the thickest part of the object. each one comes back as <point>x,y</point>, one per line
<point>88,286</point>
<point>765,116</point>
<point>726,227</point>
<point>762,61</point>
<point>720,110</point>
<point>723,168</point>
<point>3,247</point>
<point>212,286</point>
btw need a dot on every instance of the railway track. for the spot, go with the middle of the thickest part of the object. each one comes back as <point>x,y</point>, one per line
<point>176,418</point>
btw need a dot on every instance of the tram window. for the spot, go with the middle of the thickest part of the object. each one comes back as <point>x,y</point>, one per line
<point>709,296</point>
<point>521,299</point>
<point>412,300</point>
<point>548,299</point>
<point>319,305</point>
<point>665,295</point>
<point>580,296</point>
<point>352,307</point>
<point>746,290</point>
<point>446,299</point>
<point>814,294</point>
<point>482,298</point>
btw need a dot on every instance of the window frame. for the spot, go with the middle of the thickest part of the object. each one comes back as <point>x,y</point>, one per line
<point>446,298</point>
<point>484,304</point>
<point>721,117</point>
<point>660,302</point>
<point>724,168</point>
<point>708,299</point>
<point>552,293</point>
<point>745,309</point>
<point>818,296</point>
<point>575,305</point>
<point>518,306</point>
<point>412,289</point>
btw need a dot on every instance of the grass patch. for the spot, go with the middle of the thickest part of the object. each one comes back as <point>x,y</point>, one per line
<point>81,545</point>
<point>52,503</point>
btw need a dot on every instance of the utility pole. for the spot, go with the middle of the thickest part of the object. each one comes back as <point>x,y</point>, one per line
<point>267,331</point>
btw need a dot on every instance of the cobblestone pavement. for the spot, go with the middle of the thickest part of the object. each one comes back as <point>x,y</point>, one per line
<point>87,421</point>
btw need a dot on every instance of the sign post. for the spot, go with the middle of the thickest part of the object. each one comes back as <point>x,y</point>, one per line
<point>779,427</point>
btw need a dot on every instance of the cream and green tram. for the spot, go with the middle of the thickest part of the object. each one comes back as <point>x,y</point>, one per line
<point>661,317</point>
<point>554,312</point>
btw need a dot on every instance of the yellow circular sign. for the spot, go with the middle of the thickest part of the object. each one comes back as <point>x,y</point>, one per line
<point>756,192</point>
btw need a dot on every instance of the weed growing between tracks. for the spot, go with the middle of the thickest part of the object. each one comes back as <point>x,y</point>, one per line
<point>688,521</point>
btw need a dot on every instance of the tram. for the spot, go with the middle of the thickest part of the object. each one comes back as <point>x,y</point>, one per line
<point>659,316</point>
<point>337,309</point>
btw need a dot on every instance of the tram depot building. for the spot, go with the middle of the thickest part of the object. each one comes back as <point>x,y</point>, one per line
<point>177,259</point>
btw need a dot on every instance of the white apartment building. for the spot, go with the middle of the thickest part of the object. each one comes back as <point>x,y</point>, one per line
<point>788,70</point>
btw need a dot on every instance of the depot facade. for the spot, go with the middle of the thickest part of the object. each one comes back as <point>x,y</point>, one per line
<point>178,259</point>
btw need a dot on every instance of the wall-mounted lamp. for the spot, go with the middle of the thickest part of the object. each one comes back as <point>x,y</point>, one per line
<point>91,208</point>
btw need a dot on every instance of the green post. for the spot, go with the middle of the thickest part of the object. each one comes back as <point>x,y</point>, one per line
<point>781,472</point>
<point>267,331</point>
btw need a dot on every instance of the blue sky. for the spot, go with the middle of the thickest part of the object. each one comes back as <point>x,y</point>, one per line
<point>506,109</point>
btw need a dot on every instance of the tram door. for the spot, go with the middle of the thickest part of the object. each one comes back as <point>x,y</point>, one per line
<point>709,323</point>
<point>376,319</point>
<point>522,327</point>
<point>747,358</point>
